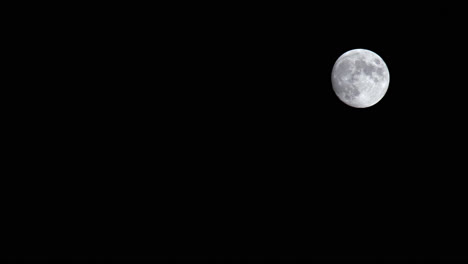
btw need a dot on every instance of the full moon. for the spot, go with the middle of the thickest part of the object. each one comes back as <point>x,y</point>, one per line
<point>360,78</point>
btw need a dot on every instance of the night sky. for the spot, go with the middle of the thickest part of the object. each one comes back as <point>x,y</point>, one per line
<point>213,132</point>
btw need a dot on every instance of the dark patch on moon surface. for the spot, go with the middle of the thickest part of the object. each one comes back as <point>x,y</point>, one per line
<point>379,71</point>
<point>360,64</point>
<point>355,92</point>
<point>343,69</point>
<point>351,91</point>
<point>368,69</point>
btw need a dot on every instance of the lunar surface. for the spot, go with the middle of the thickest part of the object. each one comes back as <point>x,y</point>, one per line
<point>360,78</point>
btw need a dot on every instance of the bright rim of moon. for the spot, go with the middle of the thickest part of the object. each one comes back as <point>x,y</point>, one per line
<point>360,78</point>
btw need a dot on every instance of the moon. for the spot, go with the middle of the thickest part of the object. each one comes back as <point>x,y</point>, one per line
<point>360,78</point>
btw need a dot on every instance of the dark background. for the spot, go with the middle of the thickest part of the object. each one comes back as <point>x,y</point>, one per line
<point>212,132</point>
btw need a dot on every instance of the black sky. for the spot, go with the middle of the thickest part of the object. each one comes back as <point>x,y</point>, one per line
<point>213,131</point>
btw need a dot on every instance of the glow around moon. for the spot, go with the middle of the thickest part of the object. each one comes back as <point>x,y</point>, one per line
<point>360,78</point>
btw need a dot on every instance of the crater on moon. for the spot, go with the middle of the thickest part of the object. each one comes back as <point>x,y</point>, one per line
<point>360,78</point>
